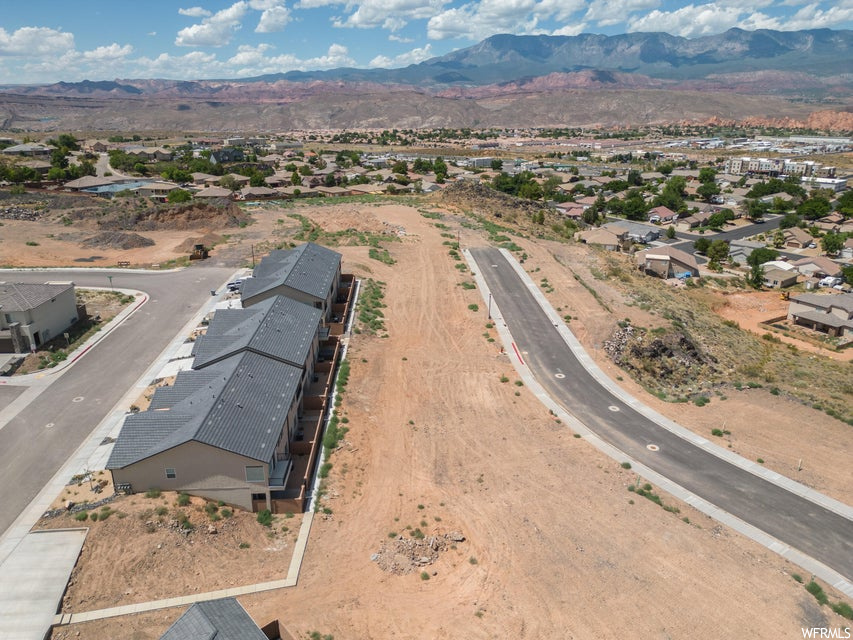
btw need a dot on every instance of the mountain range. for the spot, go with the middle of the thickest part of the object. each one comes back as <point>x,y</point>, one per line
<point>805,70</point>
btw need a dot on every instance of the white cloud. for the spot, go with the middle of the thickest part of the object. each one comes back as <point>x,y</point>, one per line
<point>811,17</point>
<point>691,21</point>
<point>390,14</point>
<point>194,12</point>
<point>316,4</point>
<point>152,33</point>
<point>610,12</point>
<point>488,17</point>
<point>109,53</point>
<point>273,19</point>
<point>404,59</point>
<point>215,30</point>
<point>570,29</point>
<point>35,42</point>
<point>395,38</point>
<point>560,10</point>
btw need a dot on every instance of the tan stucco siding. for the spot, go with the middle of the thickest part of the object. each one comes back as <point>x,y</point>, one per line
<point>199,469</point>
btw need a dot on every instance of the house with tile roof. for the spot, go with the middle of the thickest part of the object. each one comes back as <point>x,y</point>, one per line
<point>222,619</point>
<point>228,429</point>
<point>32,314</point>
<point>308,273</point>
<point>828,313</point>
<point>667,262</point>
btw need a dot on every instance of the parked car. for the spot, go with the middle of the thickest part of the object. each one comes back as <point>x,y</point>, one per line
<point>235,285</point>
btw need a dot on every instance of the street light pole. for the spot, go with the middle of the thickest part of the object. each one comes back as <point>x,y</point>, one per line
<point>490,306</point>
<point>110,278</point>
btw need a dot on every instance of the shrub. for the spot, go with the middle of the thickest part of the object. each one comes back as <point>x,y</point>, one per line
<point>245,545</point>
<point>760,460</point>
<point>472,560</point>
<point>265,517</point>
<point>392,534</point>
<point>424,575</point>
<point>817,591</point>
<point>93,516</point>
<point>473,307</point>
<point>717,432</point>
<point>82,515</point>
<point>161,511</point>
<point>626,465</point>
<point>519,383</point>
<point>504,379</point>
<point>30,243</point>
<point>418,534</point>
<point>701,401</point>
<point>152,493</point>
<point>226,513</point>
<point>183,499</point>
<point>843,609</point>
<point>797,577</point>
<point>324,469</point>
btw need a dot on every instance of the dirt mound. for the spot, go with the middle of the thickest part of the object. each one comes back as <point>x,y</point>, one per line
<point>406,555</point>
<point>208,240</point>
<point>118,240</point>
<point>169,217</point>
<point>483,200</point>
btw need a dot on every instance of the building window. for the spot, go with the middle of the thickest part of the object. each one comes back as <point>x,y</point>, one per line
<point>170,473</point>
<point>255,474</point>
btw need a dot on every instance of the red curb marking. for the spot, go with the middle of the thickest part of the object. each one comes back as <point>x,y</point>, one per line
<point>514,348</point>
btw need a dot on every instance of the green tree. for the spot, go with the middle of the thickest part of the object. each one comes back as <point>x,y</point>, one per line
<point>295,178</point>
<point>761,255</point>
<point>400,167</point>
<point>634,178</point>
<point>707,191</point>
<point>701,245</point>
<point>847,273</point>
<point>755,209</point>
<point>844,204</point>
<point>756,276</point>
<point>229,182</point>
<point>439,167</point>
<point>670,232</point>
<point>635,207</point>
<point>497,164</point>
<point>707,174</point>
<point>257,180</point>
<point>789,220</point>
<point>814,208</point>
<point>832,243</point>
<point>178,196</point>
<point>717,252</point>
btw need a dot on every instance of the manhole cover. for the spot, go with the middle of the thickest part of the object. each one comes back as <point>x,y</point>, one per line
<point>78,399</point>
<point>49,425</point>
<point>560,376</point>
<point>613,407</point>
<point>652,447</point>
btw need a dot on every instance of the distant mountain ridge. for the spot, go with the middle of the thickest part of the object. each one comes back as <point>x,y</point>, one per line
<point>503,81</point>
<point>508,59</point>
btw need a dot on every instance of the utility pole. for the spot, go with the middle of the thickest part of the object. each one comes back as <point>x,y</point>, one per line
<point>253,256</point>
<point>110,278</point>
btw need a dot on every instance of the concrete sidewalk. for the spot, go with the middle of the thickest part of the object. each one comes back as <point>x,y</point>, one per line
<point>33,580</point>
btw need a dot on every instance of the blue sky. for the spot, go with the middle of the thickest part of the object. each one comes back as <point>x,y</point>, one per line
<point>48,41</point>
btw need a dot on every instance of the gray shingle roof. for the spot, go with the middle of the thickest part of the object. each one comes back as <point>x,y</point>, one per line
<point>240,409</point>
<point>22,297</point>
<point>223,619</point>
<point>279,327</point>
<point>825,301</point>
<point>309,268</point>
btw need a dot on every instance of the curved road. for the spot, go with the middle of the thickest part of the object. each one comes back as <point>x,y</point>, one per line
<point>818,532</point>
<point>37,441</point>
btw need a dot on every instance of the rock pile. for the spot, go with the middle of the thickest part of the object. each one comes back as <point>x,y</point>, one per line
<point>19,213</point>
<point>404,555</point>
<point>118,240</point>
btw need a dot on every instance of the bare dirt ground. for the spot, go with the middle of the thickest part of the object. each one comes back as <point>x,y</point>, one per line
<point>556,547</point>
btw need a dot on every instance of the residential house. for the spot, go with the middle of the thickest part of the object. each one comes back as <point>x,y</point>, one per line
<point>828,313</point>
<point>31,149</point>
<point>695,220</point>
<point>635,231</point>
<point>88,182</point>
<point>667,262</point>
<point>223,619</point>
<point>201,179</point>
<point>332,191</point>
<point>797,238</point>
<point>779,278</point>
<point>258,193</point>
<point>817,267</point>
<point>213,192</point>
<point>228,154</point>
<point>224,429</point>
<point>571,210</point>
<point>740,250</point>
<point>662,214</point>
<point>605,238</point>
<point>157,190</point>
<point>308,273</point>
<point>32,314</point>
<point>847,249</point>
<point>240,181</point>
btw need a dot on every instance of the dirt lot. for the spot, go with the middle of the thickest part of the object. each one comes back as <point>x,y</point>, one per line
<point>556,547</point>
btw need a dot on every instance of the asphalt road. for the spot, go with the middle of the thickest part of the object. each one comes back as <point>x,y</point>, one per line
<point>40,438</point>
<point>805,526</point>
